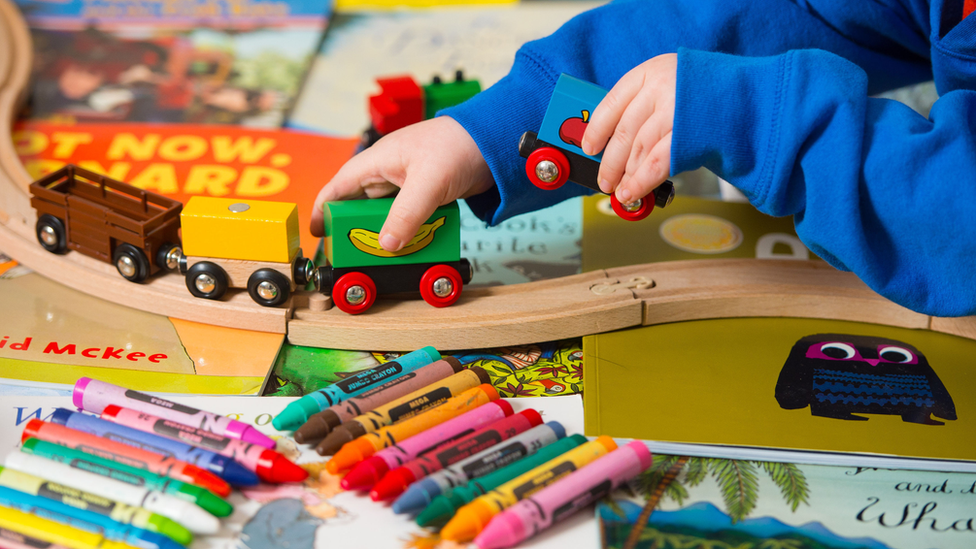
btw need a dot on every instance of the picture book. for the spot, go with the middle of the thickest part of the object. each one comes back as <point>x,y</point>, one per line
<point>199,61</point>
<point>545,369</point>
<point>317,514</point>
<point>689,228</point>
<point>785,389</point>
<point>686,501</point>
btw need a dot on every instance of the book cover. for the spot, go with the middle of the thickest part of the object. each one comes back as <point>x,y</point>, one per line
<point>684,501</point>
<point>197,61</point>
<point>807,391</point>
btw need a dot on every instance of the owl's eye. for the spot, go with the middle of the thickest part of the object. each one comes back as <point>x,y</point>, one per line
<point>838,350</point>
<point>895,354</point>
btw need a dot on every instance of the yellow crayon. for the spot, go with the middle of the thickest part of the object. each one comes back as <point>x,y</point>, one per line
<point>53,532</point>
<point>471,519</point>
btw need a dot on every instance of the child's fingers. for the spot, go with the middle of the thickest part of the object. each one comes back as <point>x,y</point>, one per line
<point>606,115</point>
<point>649,135</point>
<point>651,173</point>
<point>362,175</point>
<point>415,202</point>
<point>618,149</point>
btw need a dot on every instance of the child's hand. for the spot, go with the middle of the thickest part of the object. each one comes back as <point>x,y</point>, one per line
<point>432,163</point>
<point>634,123</point>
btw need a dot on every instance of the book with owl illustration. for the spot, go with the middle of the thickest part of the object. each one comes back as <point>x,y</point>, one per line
<point>785,389</point>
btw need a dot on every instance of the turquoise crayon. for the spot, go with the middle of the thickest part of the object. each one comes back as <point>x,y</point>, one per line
<point>298,412</point>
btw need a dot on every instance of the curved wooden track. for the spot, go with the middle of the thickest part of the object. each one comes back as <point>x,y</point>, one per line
<point>578,305</point>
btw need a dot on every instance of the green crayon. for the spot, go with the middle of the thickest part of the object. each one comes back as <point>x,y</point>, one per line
<point>203,498</point>
<point>445,505</point>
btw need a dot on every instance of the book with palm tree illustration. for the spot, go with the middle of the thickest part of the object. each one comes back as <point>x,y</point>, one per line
<point>791,390</point>
<point>713,503</point>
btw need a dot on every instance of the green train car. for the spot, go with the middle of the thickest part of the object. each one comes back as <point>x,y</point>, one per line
<point>358,268</point>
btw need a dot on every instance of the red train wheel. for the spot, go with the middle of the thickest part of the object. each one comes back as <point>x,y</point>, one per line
<point>441,285</point>
<point>633,211</point>
<point>547,168</point>
<point>354,293</point>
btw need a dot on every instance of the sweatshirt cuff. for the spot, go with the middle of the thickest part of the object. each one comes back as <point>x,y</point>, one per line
<point>727,118</point>
<point>496,118</point>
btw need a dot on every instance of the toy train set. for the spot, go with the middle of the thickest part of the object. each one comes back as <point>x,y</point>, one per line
<point>252,244</point>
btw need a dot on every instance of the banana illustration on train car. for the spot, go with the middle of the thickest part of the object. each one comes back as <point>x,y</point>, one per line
<point>358,268</point>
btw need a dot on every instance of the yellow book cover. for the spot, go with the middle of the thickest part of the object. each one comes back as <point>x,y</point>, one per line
<point>837,392</point>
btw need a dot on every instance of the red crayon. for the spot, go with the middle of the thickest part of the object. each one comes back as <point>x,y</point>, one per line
<point>396,481</point>
<point>123,453</point>
<point>269,465</point>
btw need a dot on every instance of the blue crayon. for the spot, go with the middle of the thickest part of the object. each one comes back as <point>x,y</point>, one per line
<point>422,492</point>
<point>224,467</point>
<point>84,520</point>
<point>298,412</point>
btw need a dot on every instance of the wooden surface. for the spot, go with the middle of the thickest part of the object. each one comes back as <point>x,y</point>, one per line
<point>572,306</point>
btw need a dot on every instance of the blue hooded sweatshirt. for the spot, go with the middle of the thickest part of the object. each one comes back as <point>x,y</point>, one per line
<point>773,96</point>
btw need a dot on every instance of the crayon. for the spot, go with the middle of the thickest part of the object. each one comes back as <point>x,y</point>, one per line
<point>471,519</point>
<point>203,498</point>
<point>402,408</point>
<point>93,396</point>
<point>269,465</point>
<point>396,481</point>
<point>561,499</point>
<point>15,540</point>
<point>182,512</point>
<point>222,466</point>
<point>298,412</point>
<point>123,453</point>
<point>52,532</point>
<point>423,493</point>
<point>322,423</point>
<point>387,437</point>
<point>84,520</point>
<point>118,512</point>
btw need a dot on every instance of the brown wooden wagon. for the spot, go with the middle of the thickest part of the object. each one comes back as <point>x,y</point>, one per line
<point>135,230</point>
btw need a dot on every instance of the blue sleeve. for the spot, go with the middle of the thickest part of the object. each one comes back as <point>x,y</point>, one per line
<point>601,45</point>
<point>874,187</point>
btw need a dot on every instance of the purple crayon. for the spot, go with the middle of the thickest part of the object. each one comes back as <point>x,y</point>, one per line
<point>563,498</point>
<point>93,396</point>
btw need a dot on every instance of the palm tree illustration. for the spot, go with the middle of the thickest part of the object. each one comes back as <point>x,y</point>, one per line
<point>738,481</point>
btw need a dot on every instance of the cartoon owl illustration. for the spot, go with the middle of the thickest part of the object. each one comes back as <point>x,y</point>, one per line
<point>839,375</point>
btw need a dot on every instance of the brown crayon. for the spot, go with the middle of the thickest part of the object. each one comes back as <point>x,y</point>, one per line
<point>402,408</point>
<point>322,423</point>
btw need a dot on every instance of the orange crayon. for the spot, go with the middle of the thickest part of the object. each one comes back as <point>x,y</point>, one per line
<point>367,445</point>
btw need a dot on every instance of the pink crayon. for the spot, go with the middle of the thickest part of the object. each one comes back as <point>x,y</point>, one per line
<point>93,396</point>
<point>371,470</point>
<point>563,498</point>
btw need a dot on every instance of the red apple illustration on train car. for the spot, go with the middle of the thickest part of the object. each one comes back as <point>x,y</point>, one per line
<point>572,129</point>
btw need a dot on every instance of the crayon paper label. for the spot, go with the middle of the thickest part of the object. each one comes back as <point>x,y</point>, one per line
<point>390,383</point>
<point>501,457</point>
<point>76,498</point>
<point>22,539</point>
<point>467,448</point>
<point>104,471</point>
<point>143,397</point>
<point>365,379</point>
<point>582,500</point>
<point>419,404</point>
<point>438,443</point>
<point>191,435</point>
<point>559,471</point>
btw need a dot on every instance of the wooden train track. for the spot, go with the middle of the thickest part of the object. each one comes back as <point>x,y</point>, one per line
<point>572,306</point>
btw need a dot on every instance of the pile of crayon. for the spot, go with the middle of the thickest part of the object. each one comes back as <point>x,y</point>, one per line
<point>148,473</point>
<point>436,440</point>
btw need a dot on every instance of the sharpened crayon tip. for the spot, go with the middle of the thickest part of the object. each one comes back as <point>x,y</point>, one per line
<point>282,470</point>
<point>253,436</point>
<point>393,484</point>
<point>317,427</point>
<point>339,437</point>
<point>237,475</point>
<point>418,496</point>
<point>365,475</point>
<point>170,528</point>
<point>208,480</point>
<point>208,501</point>
<point>296,413</point>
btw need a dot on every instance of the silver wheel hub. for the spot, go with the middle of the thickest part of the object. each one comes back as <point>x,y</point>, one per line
<point>126,266</point>
<point>48,235</point>
<point>547,171</point>
<point>205,283</point>
<point>634,206</point>
<point>173,258</point>
<point>443,287</point>
<point>267,290</point>
<point>356,295</point>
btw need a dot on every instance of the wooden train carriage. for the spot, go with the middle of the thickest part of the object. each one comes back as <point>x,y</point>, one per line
<point>133,229</point>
